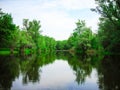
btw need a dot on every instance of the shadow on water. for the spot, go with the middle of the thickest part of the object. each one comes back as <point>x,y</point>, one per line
<point>29,66</point>
<point>109,73</point>
<point>9,70</point>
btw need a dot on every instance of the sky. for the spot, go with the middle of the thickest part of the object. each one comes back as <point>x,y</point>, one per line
<point>57,17</point>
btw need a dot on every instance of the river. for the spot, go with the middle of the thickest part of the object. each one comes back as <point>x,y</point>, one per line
<point>59,71</point>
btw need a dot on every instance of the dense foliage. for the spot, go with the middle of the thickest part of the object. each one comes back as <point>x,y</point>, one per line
<point>81,41</point>
<point>106,40</point>
<point>30,37</point>
<point>109,26</point>
<point>8,31</point>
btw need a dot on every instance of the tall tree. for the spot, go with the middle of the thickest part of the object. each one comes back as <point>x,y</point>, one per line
<point>8,31</point>
<point>82,36</point>
<point>109,27</point>
<point>33,29</point>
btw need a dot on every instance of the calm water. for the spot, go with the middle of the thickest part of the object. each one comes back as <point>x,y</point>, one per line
<point>59,71</point>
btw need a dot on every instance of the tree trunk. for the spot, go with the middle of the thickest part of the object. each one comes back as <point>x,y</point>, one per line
<point>12,50</point>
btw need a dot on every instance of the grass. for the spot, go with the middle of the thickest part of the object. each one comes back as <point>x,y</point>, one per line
<point>4,52</point>
<point>7,52</point>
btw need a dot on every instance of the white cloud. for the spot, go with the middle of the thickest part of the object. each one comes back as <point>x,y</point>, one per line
<point>93,23</point>
<point>69,4</point>
<point>57,24</point>
<point>49,5</point>
<point>77,4</point>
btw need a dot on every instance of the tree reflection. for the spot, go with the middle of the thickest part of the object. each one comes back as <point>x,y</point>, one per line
<point>9,70</point>
<point>31,68</point>
<point>80,64</point>
<point>109,73</point>
<point>28,65</point>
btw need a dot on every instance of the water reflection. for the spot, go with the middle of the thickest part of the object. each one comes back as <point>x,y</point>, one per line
<point>31,69</point>
<point>59,71</point>
<point>81,65</point>
<point>9,70</point>
<point>109,73</point>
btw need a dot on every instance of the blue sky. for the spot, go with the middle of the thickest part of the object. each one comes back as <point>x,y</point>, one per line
<point>57,17</point>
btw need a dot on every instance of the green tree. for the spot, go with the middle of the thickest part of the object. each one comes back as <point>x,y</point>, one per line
<point>109,27</point>
<point>82,36</point>
<point>33,29</point>
<point>25,41</point>
<point>8,31</point>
